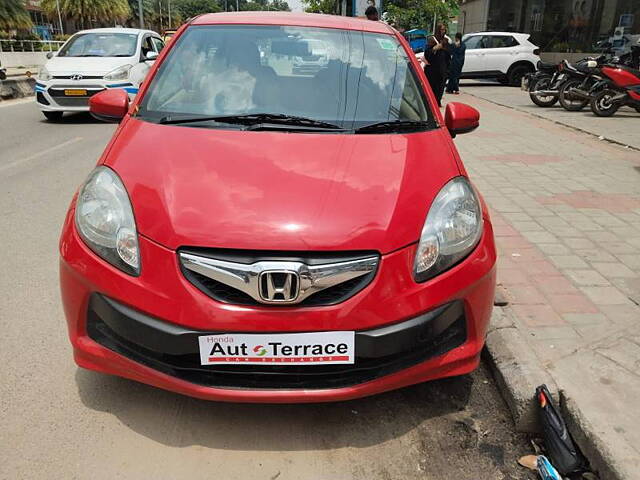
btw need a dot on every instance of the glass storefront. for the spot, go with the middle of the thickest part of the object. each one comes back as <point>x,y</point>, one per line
<point>570,25</point>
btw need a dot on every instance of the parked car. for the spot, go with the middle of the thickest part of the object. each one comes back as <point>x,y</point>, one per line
<point>505,56</point>
<point>92,61</point>
<point>243,240</point>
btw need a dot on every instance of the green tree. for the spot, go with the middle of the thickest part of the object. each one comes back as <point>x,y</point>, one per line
<point>192,8</point>
<point>89,11</point>
<point>408,14</point>
<point>264,5</point>
<point>321,6</point>
<point>13,15</point>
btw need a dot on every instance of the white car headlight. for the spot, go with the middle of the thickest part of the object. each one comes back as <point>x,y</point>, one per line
<point>451,231</point>
<point>105,221</point>
<point>44,74</point>
<point>120,73</point>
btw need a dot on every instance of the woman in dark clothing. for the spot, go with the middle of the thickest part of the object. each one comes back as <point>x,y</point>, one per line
<point>457,50</point>
<point>437,58</point>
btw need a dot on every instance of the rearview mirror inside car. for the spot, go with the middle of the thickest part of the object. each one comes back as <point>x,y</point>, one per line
<point>461,118</point>
<point>109,105</point>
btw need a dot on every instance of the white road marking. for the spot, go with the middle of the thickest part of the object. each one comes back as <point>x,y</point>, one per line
<point>39,154</point>
<point>20,101</point>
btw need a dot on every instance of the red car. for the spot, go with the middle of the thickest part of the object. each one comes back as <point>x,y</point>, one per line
<point>257,233</point>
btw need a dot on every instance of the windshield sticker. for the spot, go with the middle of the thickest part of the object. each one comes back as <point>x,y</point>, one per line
<point>386,44</point>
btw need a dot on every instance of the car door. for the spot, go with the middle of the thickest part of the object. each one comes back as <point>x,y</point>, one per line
<point>499,52</point>
<point>474,55</point>
<point>139,71</point>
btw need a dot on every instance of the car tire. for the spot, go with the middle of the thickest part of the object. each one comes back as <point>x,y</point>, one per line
<point>53,116</point>
<point>516,73</point>
<point>3,75</point>
<point>540,100</point>
<point>601,106</point>
<point>568,103</point>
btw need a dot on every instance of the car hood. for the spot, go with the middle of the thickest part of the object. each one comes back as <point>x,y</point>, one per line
<point>86,65</point>
<point>280,191</point>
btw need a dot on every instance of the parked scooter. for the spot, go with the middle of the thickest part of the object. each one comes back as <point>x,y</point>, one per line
<point>544,83</point>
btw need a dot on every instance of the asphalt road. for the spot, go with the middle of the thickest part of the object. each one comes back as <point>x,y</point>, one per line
<point>57,421</point>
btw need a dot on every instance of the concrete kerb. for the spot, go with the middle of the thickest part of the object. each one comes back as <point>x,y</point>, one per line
<point>557,122</point>
<point>17,88</point>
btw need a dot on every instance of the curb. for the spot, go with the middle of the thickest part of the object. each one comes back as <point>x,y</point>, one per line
<point>12,88</point>
<point>516,369</point>
<point>572,127</point>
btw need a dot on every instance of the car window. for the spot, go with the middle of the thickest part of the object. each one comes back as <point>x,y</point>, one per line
<point>147,46</point>
<point>473,42</point>
<point>157,43</point>
<point>348,78</point>
<point>499,41</point>
<point>100,45</point>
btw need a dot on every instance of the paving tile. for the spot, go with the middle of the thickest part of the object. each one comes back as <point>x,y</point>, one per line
<point>525,295</point>
<point>571,303</point>
<point>587,277</point>
<point>578,243</point>
<point>606,296</point>
<point>538,316</point>
<point>568,261</point>
<point>554,248</point>
<point>553,284</point>
<point>584,319</point>
<point>512,276</point>
<point>614,269</point>
<point>595,255</point>
<point>630,260</point>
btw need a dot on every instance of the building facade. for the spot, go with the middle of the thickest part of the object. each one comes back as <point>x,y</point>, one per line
<point>558,25</point>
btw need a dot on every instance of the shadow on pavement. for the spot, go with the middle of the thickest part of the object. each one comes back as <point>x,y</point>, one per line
<point>78,118</point>
<point>179,421</point>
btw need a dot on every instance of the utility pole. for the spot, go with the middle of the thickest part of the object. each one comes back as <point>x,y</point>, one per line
<point>169,1</point>
<point>237,6</point>
<point>59,17</point>
<point>140,14</point>
<point>160,8</point>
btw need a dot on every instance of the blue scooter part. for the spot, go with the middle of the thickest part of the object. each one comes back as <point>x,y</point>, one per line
<point>546,471</point>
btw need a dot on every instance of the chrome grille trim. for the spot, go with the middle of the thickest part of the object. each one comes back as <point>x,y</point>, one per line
<point>245,277</point>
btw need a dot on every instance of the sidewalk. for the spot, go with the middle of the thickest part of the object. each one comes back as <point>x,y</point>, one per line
<point>566,212</point>
<point>622,128</point>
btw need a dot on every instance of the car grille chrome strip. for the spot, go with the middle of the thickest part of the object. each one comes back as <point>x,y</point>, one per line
<point>279,282</point>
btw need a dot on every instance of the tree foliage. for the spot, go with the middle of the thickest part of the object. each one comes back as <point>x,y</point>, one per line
<point>89,11</point>
<point>408,14</point>
<point>192,8</point>
<point>265,5</point>
<point>13,15</point>
<point>321,6</point>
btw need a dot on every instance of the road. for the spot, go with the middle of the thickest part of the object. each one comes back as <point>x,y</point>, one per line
<point>57,421</point>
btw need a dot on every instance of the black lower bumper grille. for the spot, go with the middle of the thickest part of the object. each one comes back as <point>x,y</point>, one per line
<point>173,351</point>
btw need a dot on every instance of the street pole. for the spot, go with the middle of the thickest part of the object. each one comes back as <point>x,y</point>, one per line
<point>237,6</point>
<point>140,14</point>
<point>434,23</point>
<point>169,14</point>
<point>59,17</point>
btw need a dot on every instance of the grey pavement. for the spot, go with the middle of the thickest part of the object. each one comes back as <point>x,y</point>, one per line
<point>566,213</point>
<point>622,128</point>
<point>57,421</point>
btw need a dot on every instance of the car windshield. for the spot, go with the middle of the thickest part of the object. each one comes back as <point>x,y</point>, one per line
<point>100,45</point>
<point>342,77</point>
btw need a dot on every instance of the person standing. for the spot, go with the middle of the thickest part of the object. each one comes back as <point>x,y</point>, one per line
<point>372,13</point>
<point>437,58</point>
<point>458,50</point>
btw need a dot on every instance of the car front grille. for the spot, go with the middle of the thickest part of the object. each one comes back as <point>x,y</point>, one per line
<point>225,293</point>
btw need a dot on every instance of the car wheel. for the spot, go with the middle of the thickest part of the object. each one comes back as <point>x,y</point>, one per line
<point>53,116</point>
<point>516,73</point>
<point>570,101</point>
<point>3,75</point>
<point>637,109</point>
<point>542,100</point>
<point>602,105</point>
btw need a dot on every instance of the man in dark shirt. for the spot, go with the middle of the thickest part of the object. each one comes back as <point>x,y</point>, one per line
<point>458,49</point>
<point>438,58</point>
<point>372,13</point>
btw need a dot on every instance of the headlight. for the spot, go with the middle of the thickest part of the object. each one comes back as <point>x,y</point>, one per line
<point>44,74</point>
<point>120,73</point>
<point>104,219</point>
<point>453,228</point>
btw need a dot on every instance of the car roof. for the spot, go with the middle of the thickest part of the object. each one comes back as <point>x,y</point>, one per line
<point>515,34</point>
<point>292,19</point>
<point>117,30</point>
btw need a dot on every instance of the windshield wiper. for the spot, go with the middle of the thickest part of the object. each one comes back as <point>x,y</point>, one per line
<point>255,119</point>
<point>393,126</point>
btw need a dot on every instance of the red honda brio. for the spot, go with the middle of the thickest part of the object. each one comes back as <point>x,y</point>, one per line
<point>281,216</point>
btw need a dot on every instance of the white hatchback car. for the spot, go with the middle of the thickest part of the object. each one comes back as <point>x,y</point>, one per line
<point>506,56</point>
<point>92,61</point>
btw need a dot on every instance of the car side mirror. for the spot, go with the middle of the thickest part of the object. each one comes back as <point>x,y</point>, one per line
<point>460,118</point>
<point>109,105</point>
<point>49,55</point>
<point>150,57</point>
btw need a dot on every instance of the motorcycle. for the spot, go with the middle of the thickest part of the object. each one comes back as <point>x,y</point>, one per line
<point>620,86</point>
<point>543,84</point>
<point>3,73</point>
<point>575,93</point>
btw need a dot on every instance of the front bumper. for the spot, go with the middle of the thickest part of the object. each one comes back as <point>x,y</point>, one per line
<point>51,97</point>
<point>143,328</point>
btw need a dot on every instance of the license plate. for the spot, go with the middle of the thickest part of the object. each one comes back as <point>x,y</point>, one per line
<point>271,348</point>
<point>75,93</point>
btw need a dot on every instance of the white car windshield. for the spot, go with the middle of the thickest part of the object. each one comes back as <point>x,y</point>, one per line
<point>344,77</point>
<point>100,45</point>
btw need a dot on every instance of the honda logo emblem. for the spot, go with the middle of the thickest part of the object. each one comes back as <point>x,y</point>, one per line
<point>279,286</point>
<point>76,77</point>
